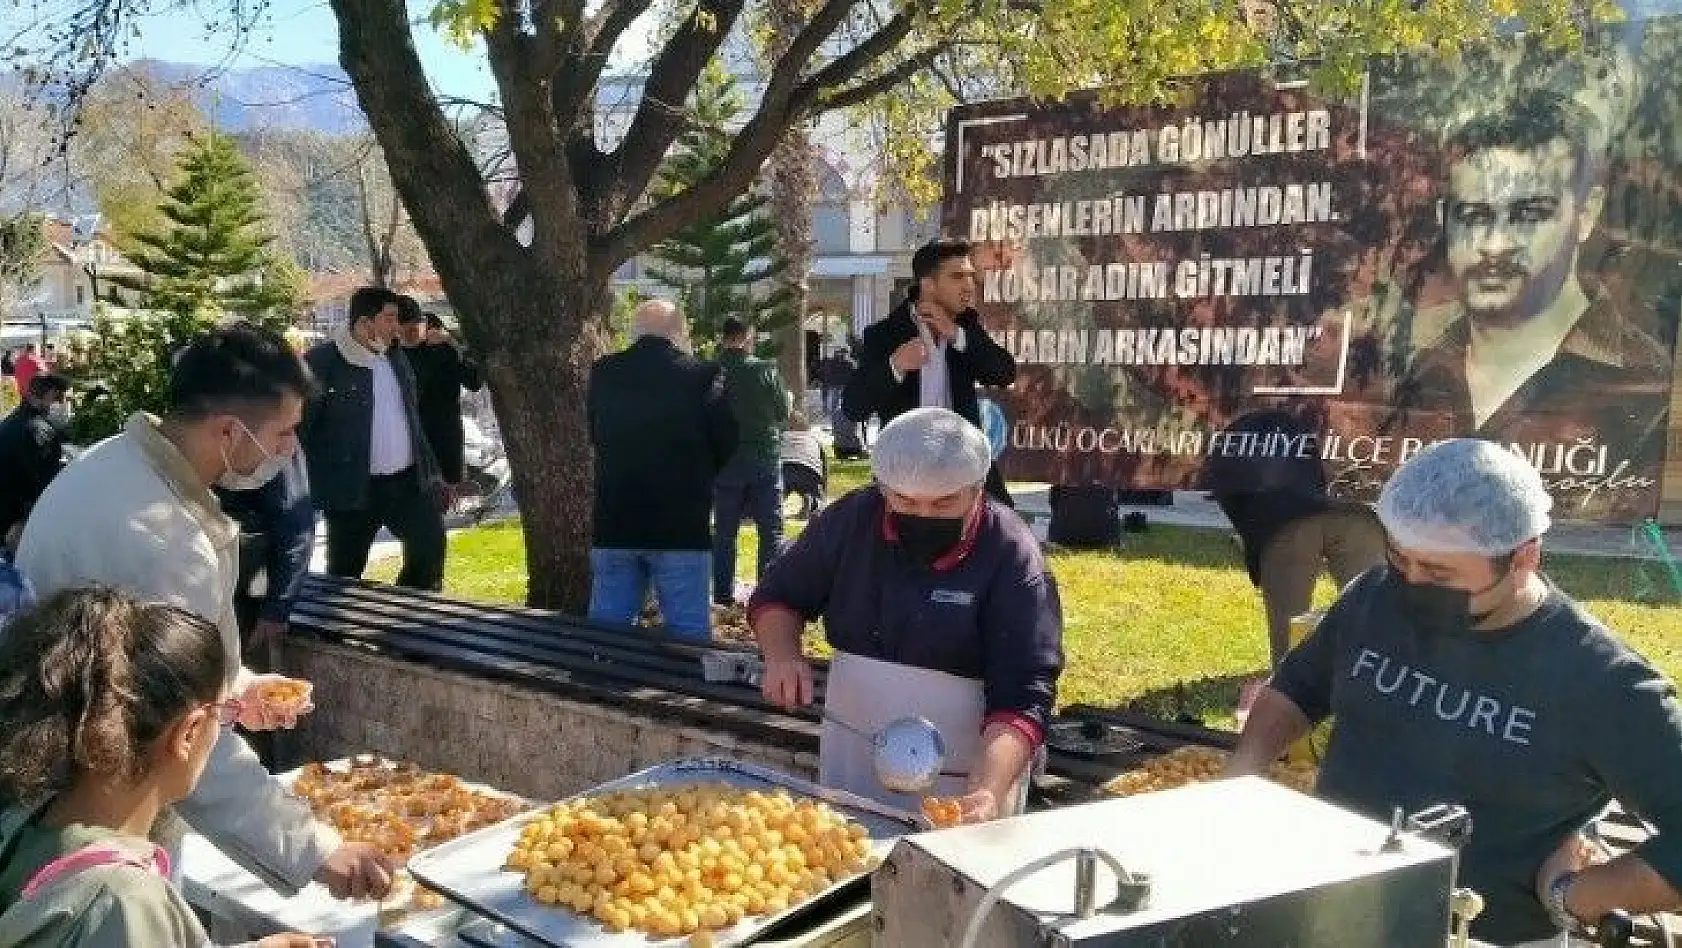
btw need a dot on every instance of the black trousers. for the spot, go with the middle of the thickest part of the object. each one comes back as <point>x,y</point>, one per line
<point>400,503</point>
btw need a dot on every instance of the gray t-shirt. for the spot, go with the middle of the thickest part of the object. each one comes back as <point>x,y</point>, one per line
<point>1534,729</point>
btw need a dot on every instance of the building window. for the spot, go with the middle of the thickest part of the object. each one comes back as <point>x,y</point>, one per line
<point>81,294</point>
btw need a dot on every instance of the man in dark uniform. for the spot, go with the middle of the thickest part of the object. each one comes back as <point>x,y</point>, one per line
<point>938,604</point>
<point>931,351</point>
<point>1527,355</point>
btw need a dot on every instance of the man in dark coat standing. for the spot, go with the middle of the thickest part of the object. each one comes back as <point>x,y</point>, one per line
<point>369,463</point>
<point>931,350</point>
<point>662,428</point>
<point>442,370</point>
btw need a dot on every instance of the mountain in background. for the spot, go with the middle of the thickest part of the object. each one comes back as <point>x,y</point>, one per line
<point>315,97</point>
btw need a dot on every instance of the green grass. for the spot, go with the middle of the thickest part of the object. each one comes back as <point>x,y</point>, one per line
<point>1170,625</point>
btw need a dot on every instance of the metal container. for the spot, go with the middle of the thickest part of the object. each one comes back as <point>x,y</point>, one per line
<point>1239,862</point>
<point>469,870</point>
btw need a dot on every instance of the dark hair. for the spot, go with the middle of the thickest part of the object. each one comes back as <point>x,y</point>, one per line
<point>408,310</point>
<point>236,369</point>
<point>367,302</point>
<point>90,679</point>
<point>733,328</point>
<point>48,383</point>
<point>1531,123</point>
<point>931,255</point>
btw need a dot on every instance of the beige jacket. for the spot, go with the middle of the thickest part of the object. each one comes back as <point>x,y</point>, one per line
<point>132,514</point>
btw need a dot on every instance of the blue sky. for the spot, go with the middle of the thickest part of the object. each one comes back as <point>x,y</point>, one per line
<point>299,33</point>
<point>303,33</point>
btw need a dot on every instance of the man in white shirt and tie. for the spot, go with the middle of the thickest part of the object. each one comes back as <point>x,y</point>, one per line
<point>369,461</point>
<point>931,351</point>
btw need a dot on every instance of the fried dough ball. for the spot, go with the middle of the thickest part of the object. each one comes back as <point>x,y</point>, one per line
<point>1188,765</point>
<point>942,812</point>
<point>686,860</point>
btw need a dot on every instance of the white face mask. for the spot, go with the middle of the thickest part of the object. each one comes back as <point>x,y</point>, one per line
<point>265,471</point>
<point>58,414</point>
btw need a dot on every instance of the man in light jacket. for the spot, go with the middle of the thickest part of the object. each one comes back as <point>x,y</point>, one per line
<point>136,513</point>
<point>370,464</point>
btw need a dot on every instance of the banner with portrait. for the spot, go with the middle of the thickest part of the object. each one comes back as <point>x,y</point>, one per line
<point>1259,278</point>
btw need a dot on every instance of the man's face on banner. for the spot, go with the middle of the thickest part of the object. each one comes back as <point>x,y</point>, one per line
<point>1513,226</point>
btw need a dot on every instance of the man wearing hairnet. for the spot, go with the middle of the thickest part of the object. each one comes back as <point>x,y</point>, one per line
<point>1462,675</point>
<point>938,605</point>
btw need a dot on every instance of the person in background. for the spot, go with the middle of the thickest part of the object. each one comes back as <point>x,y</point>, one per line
<point>1290,528</point>
<point>109,711</point>
<point>9,363</point>
<point>938,604</point>
<point>135,512</point>
<point>442,370</point>
<point>752,480</point>
<point>805,470</point>
<point>370,465</point>
<point>1463,675</point>
<point>31,451</point>
<point>28,366</point>
<point>848,436</point>
<point>662,429</point>
<point>277,535</point>
<point>931,350</point>
<point>49,355</point>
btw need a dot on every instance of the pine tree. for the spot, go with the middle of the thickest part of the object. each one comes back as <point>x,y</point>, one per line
<point>212,255</point>
<point>723,265</point>
<point>211,259</point>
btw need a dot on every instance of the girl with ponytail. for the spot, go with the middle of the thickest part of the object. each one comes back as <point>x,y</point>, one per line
<point>109,709</point>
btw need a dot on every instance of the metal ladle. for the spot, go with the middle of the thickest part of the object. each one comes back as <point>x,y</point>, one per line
<point>908,753</point>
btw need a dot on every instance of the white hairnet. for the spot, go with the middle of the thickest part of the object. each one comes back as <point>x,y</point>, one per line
<point>930,452</point>
<point>1465,496</point>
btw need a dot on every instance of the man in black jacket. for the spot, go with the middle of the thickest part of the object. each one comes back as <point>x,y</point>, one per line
<point>662,429</point>
<point>276,536</point>
<point>31,449</point>
<point>369,463</point>
<point>931,351</point>
<point>442,370</point>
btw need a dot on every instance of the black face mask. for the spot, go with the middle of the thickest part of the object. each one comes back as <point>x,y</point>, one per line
<point>926,539</point>
<point>1439,608</point>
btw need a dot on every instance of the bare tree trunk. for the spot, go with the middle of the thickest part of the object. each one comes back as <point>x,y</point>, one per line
<point>547,435</point>
<point>793,185</point>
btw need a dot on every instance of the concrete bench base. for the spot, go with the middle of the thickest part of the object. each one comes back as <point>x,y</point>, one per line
<point>519,739</point>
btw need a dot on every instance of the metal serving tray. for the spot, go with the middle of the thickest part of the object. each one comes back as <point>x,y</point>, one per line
<point>469,870</point>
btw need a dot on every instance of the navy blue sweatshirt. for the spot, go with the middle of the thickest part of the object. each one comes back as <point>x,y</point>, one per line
<point>1534,729</point>
<point>987,611</point>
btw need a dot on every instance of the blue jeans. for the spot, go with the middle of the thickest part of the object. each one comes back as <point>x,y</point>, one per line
<point>756,490</point>
<point>619,581</point>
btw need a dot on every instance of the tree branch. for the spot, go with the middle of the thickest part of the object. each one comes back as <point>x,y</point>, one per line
<point>880,83</point>
<point>868,50</point>
<point>575,84</point>
<point>559,25</point>
<point>784,101</point>
<point>430,166</point>
<point>659,115</point>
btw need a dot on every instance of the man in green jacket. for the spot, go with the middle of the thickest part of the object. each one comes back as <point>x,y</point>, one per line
<point>752,480</point>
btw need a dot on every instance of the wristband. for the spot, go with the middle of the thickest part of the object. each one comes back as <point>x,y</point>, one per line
<point>1555,904</point>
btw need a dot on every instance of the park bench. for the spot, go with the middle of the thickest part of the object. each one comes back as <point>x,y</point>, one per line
<point>635,669</point>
